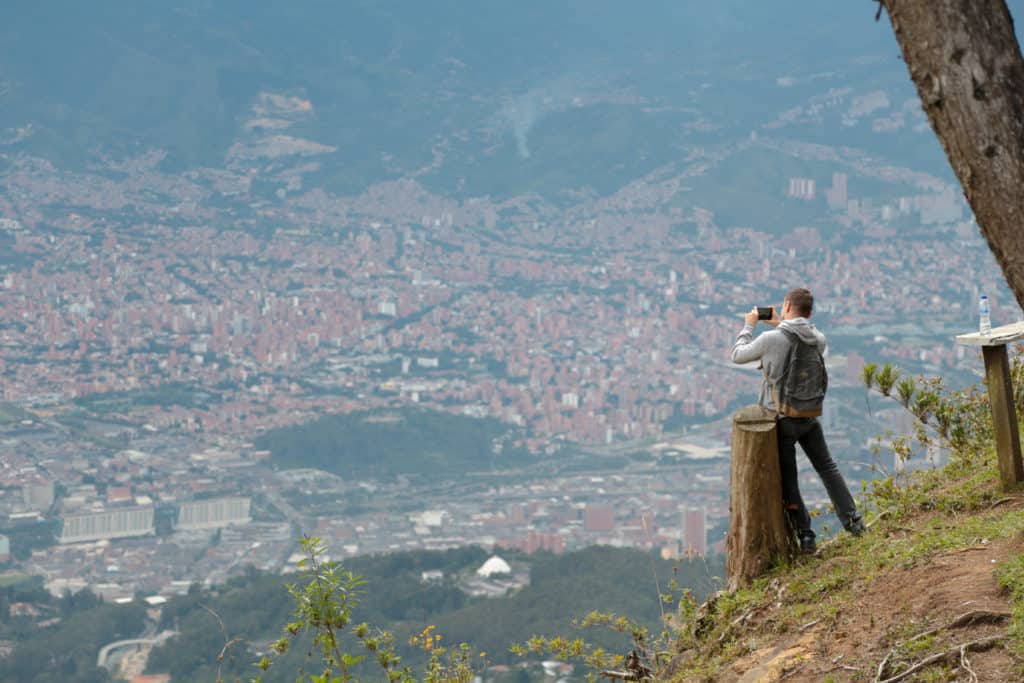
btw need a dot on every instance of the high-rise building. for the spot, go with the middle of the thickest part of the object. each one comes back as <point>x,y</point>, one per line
<point>695,531</point>
<point>801,188</point>
<point>5,548</point>
<point>837,194</point>
<point>95,526</point>
<point>214,513</point>
<point>534,541</point>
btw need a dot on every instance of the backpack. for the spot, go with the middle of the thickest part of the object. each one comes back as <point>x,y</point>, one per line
<point>800,391</point>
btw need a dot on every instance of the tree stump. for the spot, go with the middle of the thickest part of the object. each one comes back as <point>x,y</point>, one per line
<point>759,536</point>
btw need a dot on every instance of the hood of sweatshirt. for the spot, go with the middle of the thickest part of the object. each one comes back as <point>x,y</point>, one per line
<point>803,328</point>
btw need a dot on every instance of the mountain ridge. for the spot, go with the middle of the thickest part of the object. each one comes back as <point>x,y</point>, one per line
<point>503,100</point>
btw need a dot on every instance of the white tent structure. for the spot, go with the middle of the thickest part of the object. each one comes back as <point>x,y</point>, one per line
<point>494,565</point>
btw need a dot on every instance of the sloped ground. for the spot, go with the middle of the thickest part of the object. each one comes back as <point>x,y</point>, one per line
<point>940,568</point>
<point>895,607</point>
<point>936,592</point>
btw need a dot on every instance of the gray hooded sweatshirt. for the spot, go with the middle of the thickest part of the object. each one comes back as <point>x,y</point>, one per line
<point>771,349</point>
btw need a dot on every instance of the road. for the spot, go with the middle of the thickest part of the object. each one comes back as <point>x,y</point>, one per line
<point>101,658</point>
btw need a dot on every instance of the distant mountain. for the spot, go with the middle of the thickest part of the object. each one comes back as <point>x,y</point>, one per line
<point>497,98</point>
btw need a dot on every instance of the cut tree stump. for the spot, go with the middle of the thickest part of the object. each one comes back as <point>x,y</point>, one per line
<point>759,537</point>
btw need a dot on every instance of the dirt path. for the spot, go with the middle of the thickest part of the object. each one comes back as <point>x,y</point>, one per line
<point>896,606</point>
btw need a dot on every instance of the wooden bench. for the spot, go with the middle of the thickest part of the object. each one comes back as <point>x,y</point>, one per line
<point>1000,394</point>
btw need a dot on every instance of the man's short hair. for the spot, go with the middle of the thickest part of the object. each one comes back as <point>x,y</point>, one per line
<point>802,301</point>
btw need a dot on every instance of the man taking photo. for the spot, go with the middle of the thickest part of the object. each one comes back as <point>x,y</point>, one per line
<point>792,358</point>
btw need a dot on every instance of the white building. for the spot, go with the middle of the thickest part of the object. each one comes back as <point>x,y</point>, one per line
<point>214,513</point>
<point>95,526</point>
<point>801,188</point>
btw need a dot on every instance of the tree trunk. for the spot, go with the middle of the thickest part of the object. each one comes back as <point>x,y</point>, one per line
<point>964,59</point>
<point>758,534</point>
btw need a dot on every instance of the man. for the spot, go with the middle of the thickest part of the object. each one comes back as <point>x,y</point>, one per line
<point>772,349</point>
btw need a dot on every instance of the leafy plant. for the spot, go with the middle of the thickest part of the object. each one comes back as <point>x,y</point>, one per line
<point>445,665</point>
<point>1010,575</point>
<point>649,655</point>
<point>905,390</point>
<point>954,419</point>
<point>885,378</point>
<point>324,598</point>
<point>867,377</point>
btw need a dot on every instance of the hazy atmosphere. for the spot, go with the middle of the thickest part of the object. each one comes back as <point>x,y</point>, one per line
<point>439,283</point>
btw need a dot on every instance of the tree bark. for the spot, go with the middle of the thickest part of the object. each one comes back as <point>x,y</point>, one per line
<point>964,58</point>
<point>758,536</point>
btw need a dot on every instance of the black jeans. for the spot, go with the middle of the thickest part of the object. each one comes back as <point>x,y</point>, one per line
<point>807,432</point>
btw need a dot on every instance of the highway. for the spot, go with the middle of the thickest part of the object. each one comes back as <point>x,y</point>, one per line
<point>101,658</point>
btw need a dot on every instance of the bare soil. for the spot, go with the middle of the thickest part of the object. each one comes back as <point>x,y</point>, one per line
<point>893,607</point>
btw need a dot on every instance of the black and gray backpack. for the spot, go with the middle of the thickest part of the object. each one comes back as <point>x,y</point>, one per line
<point>800,391</point>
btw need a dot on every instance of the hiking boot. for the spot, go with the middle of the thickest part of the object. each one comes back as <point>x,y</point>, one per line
<point>856,527</point>
<point>807,545</point>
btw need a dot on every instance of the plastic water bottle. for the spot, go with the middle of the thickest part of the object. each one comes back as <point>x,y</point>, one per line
<point>985,325</point>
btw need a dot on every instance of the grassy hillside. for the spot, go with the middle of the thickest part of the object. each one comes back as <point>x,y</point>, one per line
<point>933,592</point>
<point>950,547</point>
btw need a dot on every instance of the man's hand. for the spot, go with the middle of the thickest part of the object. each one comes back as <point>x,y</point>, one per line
<point>775,319</point>
<point>751,318</point>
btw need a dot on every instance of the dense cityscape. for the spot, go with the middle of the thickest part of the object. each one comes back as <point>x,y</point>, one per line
<point>161,329</point>
<point>176,347</point>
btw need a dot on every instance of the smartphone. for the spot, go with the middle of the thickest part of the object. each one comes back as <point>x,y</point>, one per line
<point>765,312</point>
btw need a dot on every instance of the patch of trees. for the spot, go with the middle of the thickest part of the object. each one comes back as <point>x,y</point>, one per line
<point>170,394</point>
<point>379,445</point>
<point>395,598</point>
<point>254,607</point>
<point>28,536</point>
<point>66,651</point>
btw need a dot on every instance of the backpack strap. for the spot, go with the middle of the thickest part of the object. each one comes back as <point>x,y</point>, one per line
<point>774,388</point>
<point>794,338</point>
